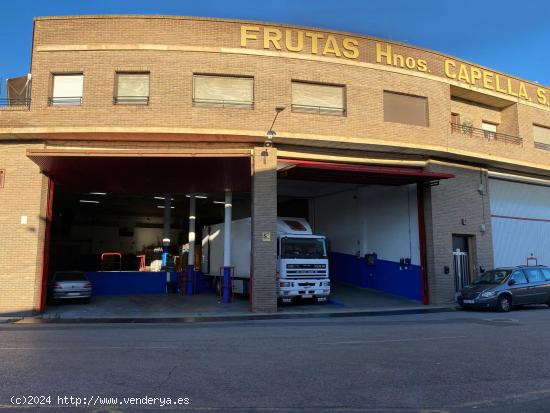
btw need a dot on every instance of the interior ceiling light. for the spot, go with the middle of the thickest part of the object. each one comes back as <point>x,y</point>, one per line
<point>87,201</point>
<point>162,198</point>
<point>218,202</point>
<point>98,193</point>
<point>162,206</point>
<point>197,196</point>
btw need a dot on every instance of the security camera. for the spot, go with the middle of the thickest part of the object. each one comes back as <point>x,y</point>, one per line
<point>268,143</point>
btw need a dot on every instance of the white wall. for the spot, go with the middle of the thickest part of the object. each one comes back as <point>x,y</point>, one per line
<point>518,218</point>
<point>381,219</point>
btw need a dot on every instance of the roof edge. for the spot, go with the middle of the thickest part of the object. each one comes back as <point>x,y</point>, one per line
<point>287,25</point>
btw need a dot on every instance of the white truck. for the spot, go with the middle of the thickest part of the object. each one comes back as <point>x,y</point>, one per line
<point>302,258</point>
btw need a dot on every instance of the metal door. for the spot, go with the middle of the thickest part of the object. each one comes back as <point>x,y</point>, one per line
<point>462,269</point>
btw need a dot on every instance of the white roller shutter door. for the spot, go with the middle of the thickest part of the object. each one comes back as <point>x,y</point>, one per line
<point>520,218</point>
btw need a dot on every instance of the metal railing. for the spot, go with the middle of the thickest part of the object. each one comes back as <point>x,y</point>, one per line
<point>482,133</point>
<point>223,103</point>
<point>65,100</point>
<point>320,110</point>
<point>24,103</point>
<point>131,100</point>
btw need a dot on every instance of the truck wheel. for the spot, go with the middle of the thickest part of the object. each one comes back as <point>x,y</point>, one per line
<point>504,303</point>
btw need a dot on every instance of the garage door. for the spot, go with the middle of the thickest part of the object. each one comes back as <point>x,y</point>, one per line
<point>520,218</point>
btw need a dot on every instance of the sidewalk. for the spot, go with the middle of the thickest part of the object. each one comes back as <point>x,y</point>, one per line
<point>233,316</point>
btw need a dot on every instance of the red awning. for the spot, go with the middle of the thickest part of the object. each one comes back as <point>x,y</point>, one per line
<point>356,173</point>
<point>144,173</point>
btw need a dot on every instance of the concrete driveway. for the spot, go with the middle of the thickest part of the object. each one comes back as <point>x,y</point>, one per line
<point>343,299</point>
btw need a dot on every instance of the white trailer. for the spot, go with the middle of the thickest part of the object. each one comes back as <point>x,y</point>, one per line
<point>302,258</point>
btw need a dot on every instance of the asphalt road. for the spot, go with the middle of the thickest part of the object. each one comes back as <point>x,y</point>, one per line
<point>455,362</point>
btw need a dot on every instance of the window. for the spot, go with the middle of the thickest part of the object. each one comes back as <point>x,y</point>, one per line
<point>546,272</point>
<point>534,275</point>
<point>489,129</point>
<point>519,277</point>
<point>223,91</point>
<point>132,88</point>
<point>403,108</point>
<point>318,98</point>
<point>67,89</point>
<point>541,136</point>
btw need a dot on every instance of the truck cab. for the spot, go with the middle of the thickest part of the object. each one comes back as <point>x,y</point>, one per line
<point>302,261</point>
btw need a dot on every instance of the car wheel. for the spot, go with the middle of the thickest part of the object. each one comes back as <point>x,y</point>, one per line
<point>504,303</point>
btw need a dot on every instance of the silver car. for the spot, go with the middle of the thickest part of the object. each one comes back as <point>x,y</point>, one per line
<point>70,285</point>
<point>503,288</point>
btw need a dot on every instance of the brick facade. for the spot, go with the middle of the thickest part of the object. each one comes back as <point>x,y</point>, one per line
<point>172,50</point>
<point>457,206</point>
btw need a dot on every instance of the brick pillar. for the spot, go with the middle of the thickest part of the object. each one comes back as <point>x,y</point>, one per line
<point>264,229</point>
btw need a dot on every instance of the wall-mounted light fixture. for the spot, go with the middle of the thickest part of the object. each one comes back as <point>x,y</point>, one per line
<point>270,134</point>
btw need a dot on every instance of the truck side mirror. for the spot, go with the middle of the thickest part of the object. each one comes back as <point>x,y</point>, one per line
<point>511,282</point>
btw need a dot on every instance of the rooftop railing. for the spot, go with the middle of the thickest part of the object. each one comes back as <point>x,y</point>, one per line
<point>482,133</point>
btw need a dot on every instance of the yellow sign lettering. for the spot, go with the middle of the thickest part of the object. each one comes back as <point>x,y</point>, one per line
<point>245,35</point>
<point>299,46</point>
<point>475,75</point>
<point>315,37</point>
<point>497,85</point>
<point>488,80</point>
<point>351,48</point>
<point>422,65</point>
<point>450,67</point>
<point>523,92</point>
<point>272,36</point>
<point>541,96</point>
<point>386,54</point>
<point>463,74</point>
<point>510,90</point>
<point>331,47</point>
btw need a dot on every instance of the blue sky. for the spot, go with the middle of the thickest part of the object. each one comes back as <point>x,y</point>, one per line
<point>513,37</point>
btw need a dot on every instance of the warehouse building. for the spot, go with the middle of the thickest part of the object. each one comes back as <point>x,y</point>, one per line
<point>419,168</point>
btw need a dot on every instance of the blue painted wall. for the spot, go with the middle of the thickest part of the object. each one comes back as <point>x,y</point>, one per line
<point>384,276</point>
<point>128,282</point>
<point>136,282</point>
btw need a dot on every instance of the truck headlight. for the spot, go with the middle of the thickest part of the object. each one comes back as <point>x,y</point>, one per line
<point>284,284</point>
<point>488,294</point>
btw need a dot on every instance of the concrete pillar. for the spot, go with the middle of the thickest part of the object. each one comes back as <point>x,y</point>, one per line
<point>167,216</point>
<point>192,220</point>
<point>264,230</point>
<point>227,230</point>
<point>226,296</point>
<point>191,255</point>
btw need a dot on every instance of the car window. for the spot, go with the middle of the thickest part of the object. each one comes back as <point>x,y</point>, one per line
<point>500,275</point>
<point>519,277</point>
<point>534,275</point>
<point>546,273</point>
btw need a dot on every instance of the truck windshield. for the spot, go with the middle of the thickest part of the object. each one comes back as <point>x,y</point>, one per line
<point>303,248</point>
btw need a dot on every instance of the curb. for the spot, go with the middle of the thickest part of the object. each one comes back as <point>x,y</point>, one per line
<point>239,317</point>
